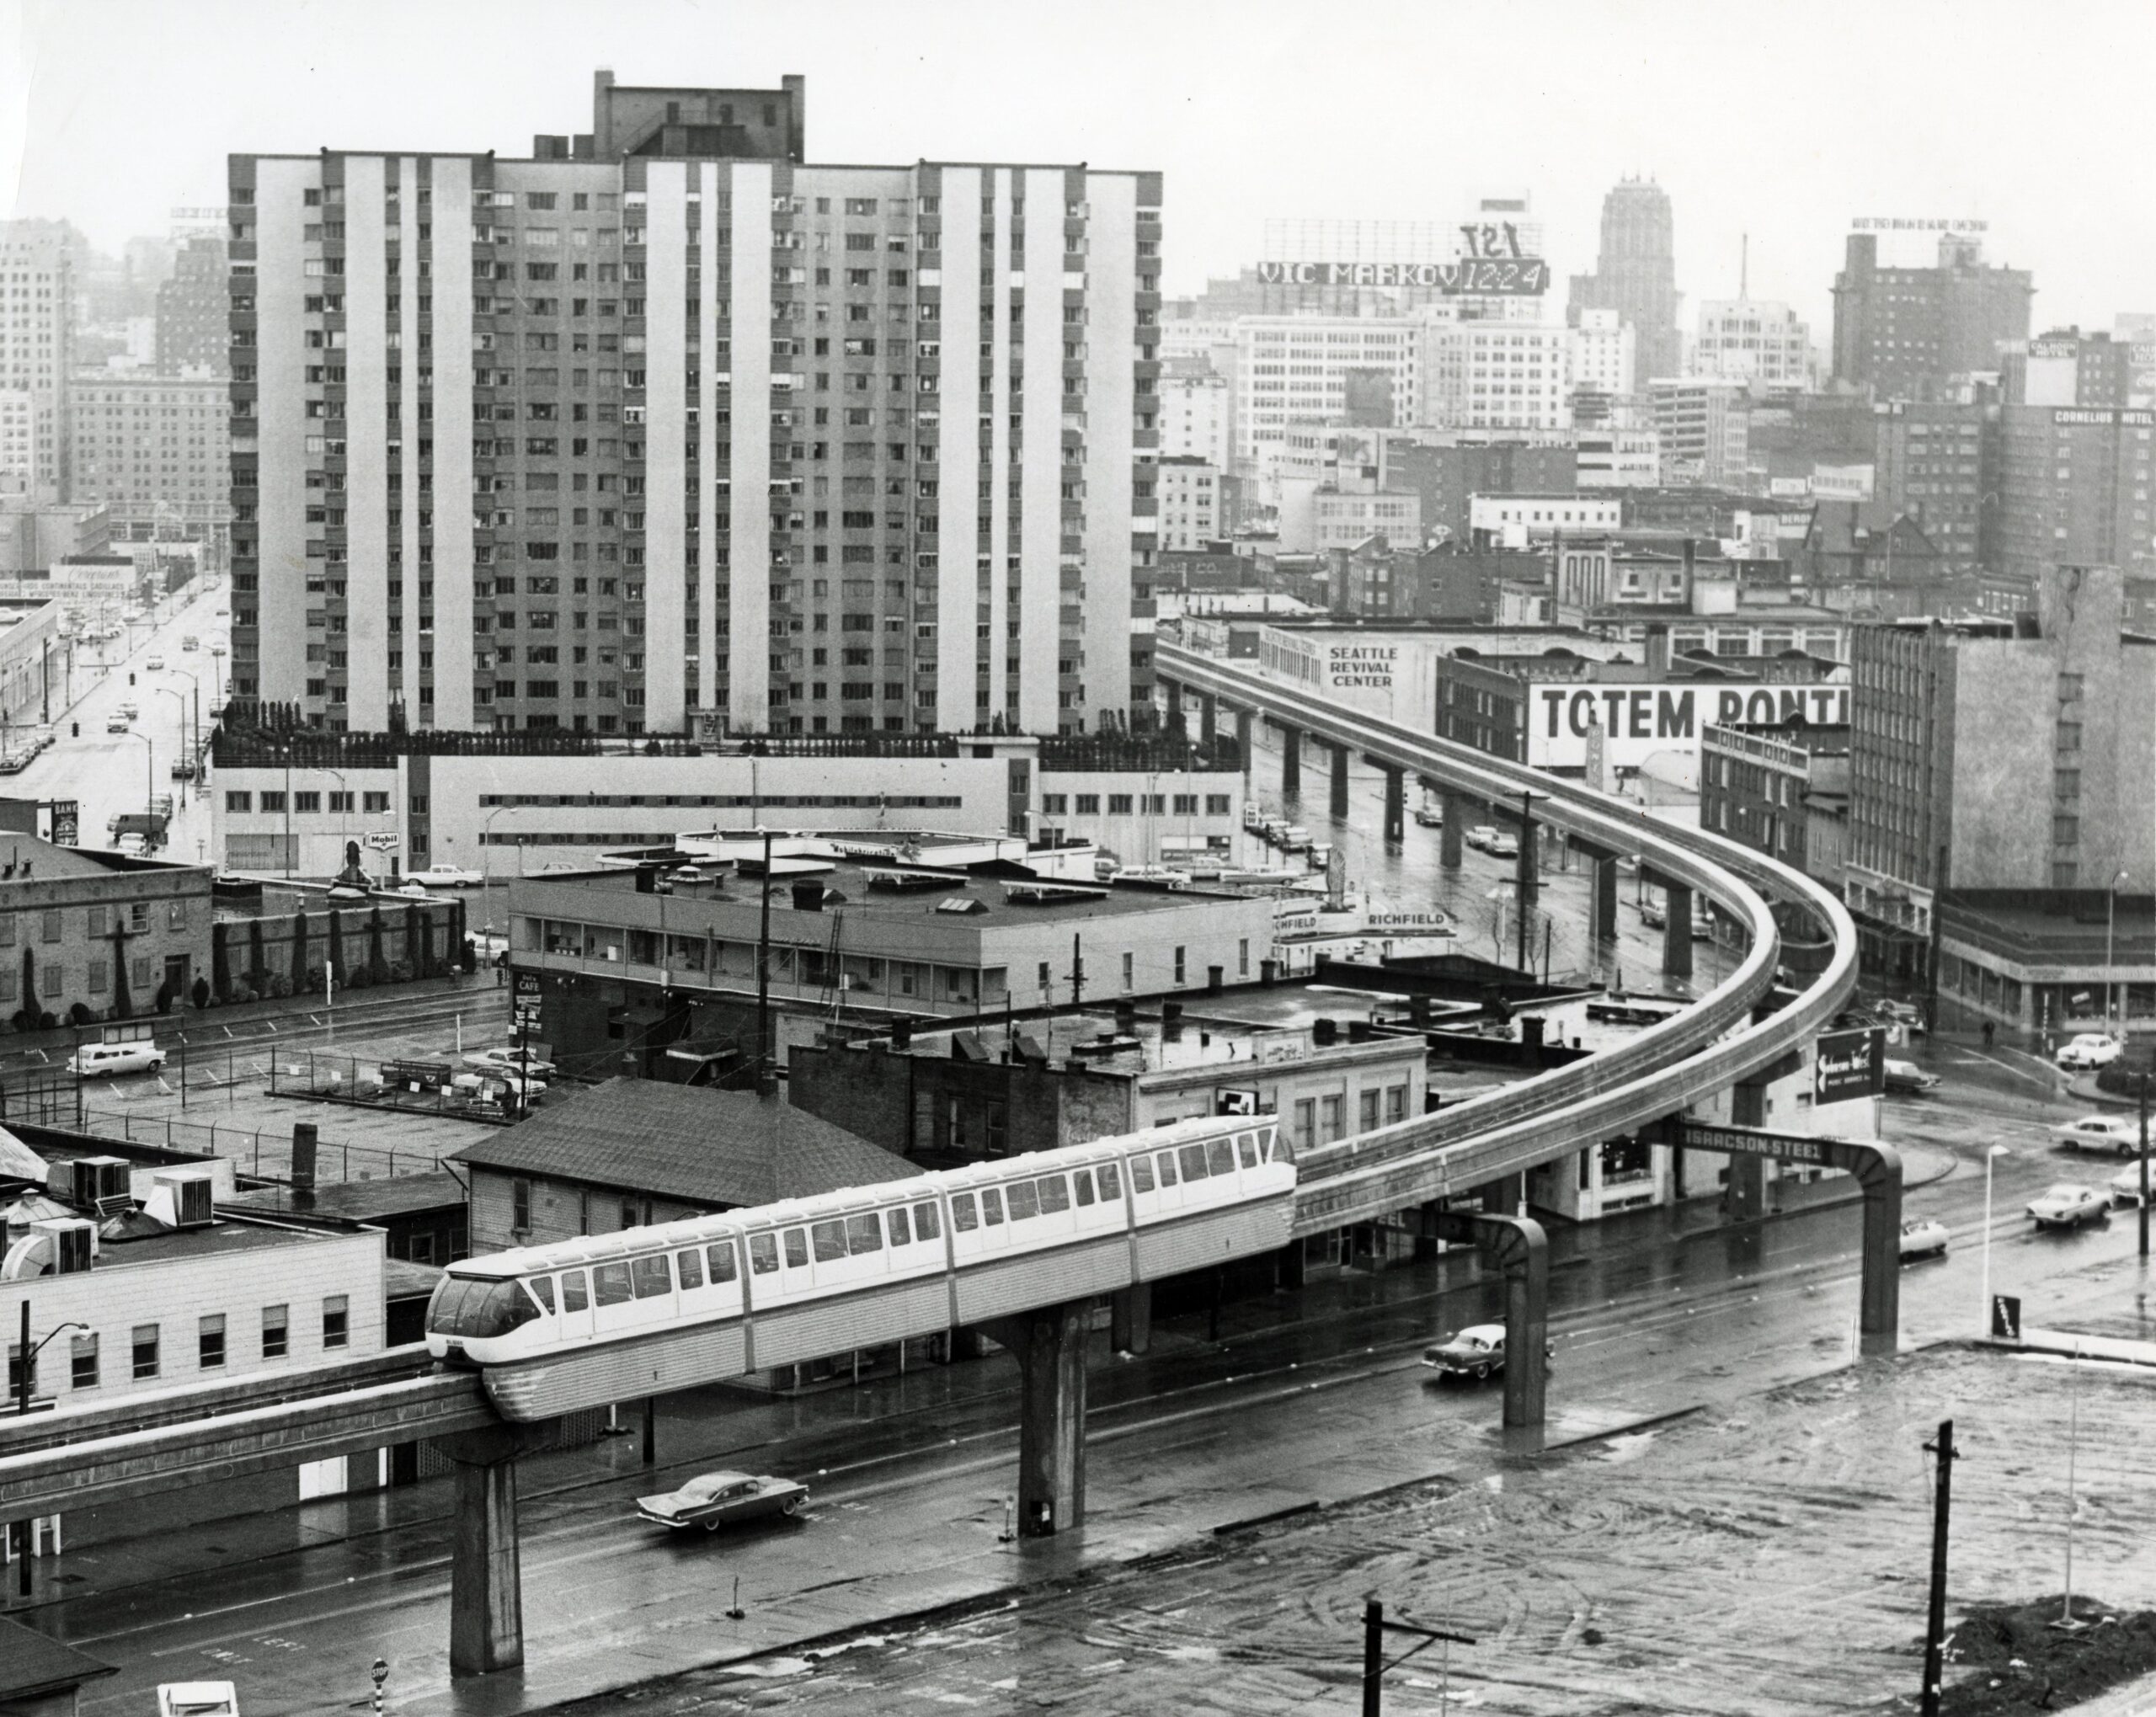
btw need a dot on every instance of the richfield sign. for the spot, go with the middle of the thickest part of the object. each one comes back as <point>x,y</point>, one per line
<point>1639,722</point>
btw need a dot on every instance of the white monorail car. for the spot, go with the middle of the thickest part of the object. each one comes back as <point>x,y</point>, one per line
<point>617,1317</point>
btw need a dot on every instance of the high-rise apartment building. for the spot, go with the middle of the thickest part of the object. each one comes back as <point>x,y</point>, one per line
<point>195,310</point>
<point>2073,488</point>
<point>1196,420</point>
<point>1903,333</point>
<point>2068,367</point>
<point>1752,339</point>
<point>1636,274</point>
<point>1936,462</point>
<point>37,316</point>
<point>140,442</point>
<point>663,425</point>
<point>1190,496</point>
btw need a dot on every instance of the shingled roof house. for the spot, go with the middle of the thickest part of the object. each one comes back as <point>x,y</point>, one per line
<point>632,1152</point>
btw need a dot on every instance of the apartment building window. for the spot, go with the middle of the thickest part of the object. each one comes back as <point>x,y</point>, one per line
<point>239,801</point>
<point>82,1361</point>
<point>209,1341</point>
<point>1129,970</point>
<point>520,1207</point>
<point>1395,1104</point>
<point>51,930</point>
<point>1216,804</point>
<point>376,803</point>
<point>1367,1115</point>
<point>276,1331</point>
<point>336,1320</point>
<point>1334,1116</point>
<point>1179,965</point>
<point>1242,957</point>
<point>1118,804</point>
<point>1089,804</point>
<point>1305,1120</point>
<point>145,1345</point>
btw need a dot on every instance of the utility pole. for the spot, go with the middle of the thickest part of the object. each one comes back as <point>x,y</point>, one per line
<point>2143,1212</point>
<point>764,1083</point>
<point>1077,972</point>
<point>1934,1632</point>
<point>1375,1629</point>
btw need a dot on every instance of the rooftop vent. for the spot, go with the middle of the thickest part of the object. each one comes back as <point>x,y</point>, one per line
<point>185,1199</point>
<point>61,1246</point>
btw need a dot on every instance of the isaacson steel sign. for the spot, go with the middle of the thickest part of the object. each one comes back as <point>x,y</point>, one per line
<point>1637,722</point>
<point>1521,276</point>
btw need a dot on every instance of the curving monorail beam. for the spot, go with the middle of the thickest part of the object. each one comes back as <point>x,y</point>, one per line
<point>1702,1049</point>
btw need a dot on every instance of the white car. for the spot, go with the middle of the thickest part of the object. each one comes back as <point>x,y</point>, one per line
<point>155,664</point>
<point>446,876</point>
<point>112,1060</point>
<point>506,1059</point>
<point>1480,836</point>
<point>2125,1186</point>
<point>2118,1135</point>
<point>2089,1049</point>
<point>1502,846</point>
<point>2068,1205</point>
<point>1923,1238</point>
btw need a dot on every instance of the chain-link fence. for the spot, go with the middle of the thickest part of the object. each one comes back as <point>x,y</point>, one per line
<point>413,1085</point>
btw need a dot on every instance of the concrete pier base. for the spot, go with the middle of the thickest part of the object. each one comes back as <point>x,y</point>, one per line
<point>486,1588</point>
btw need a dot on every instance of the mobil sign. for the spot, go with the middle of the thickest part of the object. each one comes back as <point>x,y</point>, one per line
<point>1639,722</point>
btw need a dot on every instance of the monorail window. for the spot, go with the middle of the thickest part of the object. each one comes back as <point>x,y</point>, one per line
<point>1247,1145</point>
<point>901,1231</point>
<point>1083,1182</point>
<point>763,1253</point>
<point>576,1297</point>
<point>1141,1174</point>
<point>1191,1159</point>
<point>964,1218</point>
<point>1111,1182</point>
<point>463,1307</point>
<point>690,1266</point>
<point>991,1206</point>
<point>831,1240</point>
<point>1166,1160</point>
<point>864,1233</point>
<point>1025,1204</point>
<point>1220,1155</point>
<point>926,1227</point>
<point>543,1290</point>
<point>653,1276</point>
<point>796,1249</point>
<point>609,1285</point>
<point>1055,1193</point>
<point>720,1259</point>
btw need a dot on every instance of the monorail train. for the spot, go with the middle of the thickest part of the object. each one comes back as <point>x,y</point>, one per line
<point>618,1317</point>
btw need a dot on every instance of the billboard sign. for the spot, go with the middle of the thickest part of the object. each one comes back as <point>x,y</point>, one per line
<point>1502,277</point>
<point>1921,223</point>
<point>1849,1064</point>
<point>1235,1103</point>
<point>1639,722</point>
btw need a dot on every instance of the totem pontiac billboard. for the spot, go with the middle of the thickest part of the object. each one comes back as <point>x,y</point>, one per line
<point>1639,722</point>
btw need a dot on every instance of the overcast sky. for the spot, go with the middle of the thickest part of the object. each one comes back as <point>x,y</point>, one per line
<point>1780,120</point>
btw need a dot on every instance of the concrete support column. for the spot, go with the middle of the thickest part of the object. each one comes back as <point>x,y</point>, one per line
<point>485,1593</point>
<point>1291,761</point>
<point>1746,1198</point>
<point>1677,931</point>
<point>1454,812</point>
<point>1338,804</point>
<point>1208,716</point>
<point>1174,689</point>
<point>1880,1306</point>
<point>1130,1318</point>
<point>1242,738</point>
<point>1426,1241</point>
<point>1604,909</point>
<point>1396,807</point>
<point>1050,1345</point>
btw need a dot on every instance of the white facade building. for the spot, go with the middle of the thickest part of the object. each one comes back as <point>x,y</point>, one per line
<point>1290,366</point>
<point>1603,354</point>
<point>1611,458</point>
<point>1189,490</point>
<point>37,332</point>
<point>1752,340</point>
<point>1704,428</point>
<point>1504,375</point>
<point>1341,519</point>
<point>1196,421</point>
<point>1518,520</point>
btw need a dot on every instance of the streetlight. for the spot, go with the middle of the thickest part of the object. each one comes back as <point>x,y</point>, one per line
<point>1990,1157</point>
<point>149,773</point>
<point>170,691</point>
<point>2110,929</point>
<point>30,1357</point>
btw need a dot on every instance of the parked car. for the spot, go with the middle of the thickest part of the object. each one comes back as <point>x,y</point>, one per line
<point>1502,846</point>
<point>1923,1238</point>
<point>131,709</point>
<point>1475,1351</point>
<point>441,876</point>
<point>2118,1135</point>
<point>1652,914</point>
<point>2089,1049</point>
<point>113,1060</point>
<point>2068,1205</point>
<point>1900,1013</point>
<point>1480,836</point>
<point>191,643</point>
<point>713,1500</point>
<point>182,769</point>
<point>1908,1078</point>
<point>2125,1186</point>
<point>506,1059</point>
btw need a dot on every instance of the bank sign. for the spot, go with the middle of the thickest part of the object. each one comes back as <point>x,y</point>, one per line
<point>1638,722</point>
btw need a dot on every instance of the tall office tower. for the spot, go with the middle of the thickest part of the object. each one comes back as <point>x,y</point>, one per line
<point>1904,333</point>
<point>36,337</point>
<point>195,310</point>
<point>1635,274</point>
<point>663,428</point>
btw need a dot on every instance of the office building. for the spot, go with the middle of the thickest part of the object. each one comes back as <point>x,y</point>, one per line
<point>1604,358</point>
<point>1290,367</point>
<point>1495,375</point>
<point>1196,418</point>
<point>1635,274</point>
<point>710,453</point>
<point>2073,488</point>
<point>1190,498</point>
<point>1701,424</point>
<point>37,322</point>
<point>1756,785</point>
<point>1612,458</point>
<point>1904,333</point>
<point>1449,471</point>
<point>1754,340</point>
<point>194,320</point>
<point>2068,367</point>
<point>141,442</point>
<point>1936,462</point>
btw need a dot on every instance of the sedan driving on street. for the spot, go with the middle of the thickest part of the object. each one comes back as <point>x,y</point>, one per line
<point>1475,1351</point>
<point>445,876</point>
<point>1923,1238</point>
<point>2068,1205</point>
<point>2115,1135</point>
<point>1908,1078</point>
<point>2089,1049</point>
<point>2125,1186</point>
<point>713,1500</point>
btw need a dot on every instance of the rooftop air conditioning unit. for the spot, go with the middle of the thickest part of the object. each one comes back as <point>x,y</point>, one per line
<point>60,1246</point>
<point>98,1178</point>
<point>185,1199</point>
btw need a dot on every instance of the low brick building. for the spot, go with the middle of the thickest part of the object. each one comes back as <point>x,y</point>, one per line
<point>96,931</point>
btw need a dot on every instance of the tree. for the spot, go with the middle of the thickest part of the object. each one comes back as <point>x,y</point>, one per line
<point>201,993</point>
<point>297,971</point>
<point>416,941</point>
<point>333,958</point>
<point>220,964</point>
<point>377,962</point>
<point>123,1000</point>
<point>30,983</point>
<point>258,968</point>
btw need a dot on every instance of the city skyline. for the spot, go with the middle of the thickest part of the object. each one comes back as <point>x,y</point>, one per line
<point>1571,108</point>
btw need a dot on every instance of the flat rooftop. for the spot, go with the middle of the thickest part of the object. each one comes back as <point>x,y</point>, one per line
<point>1224,1034</point>
<point>219,1238</point>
